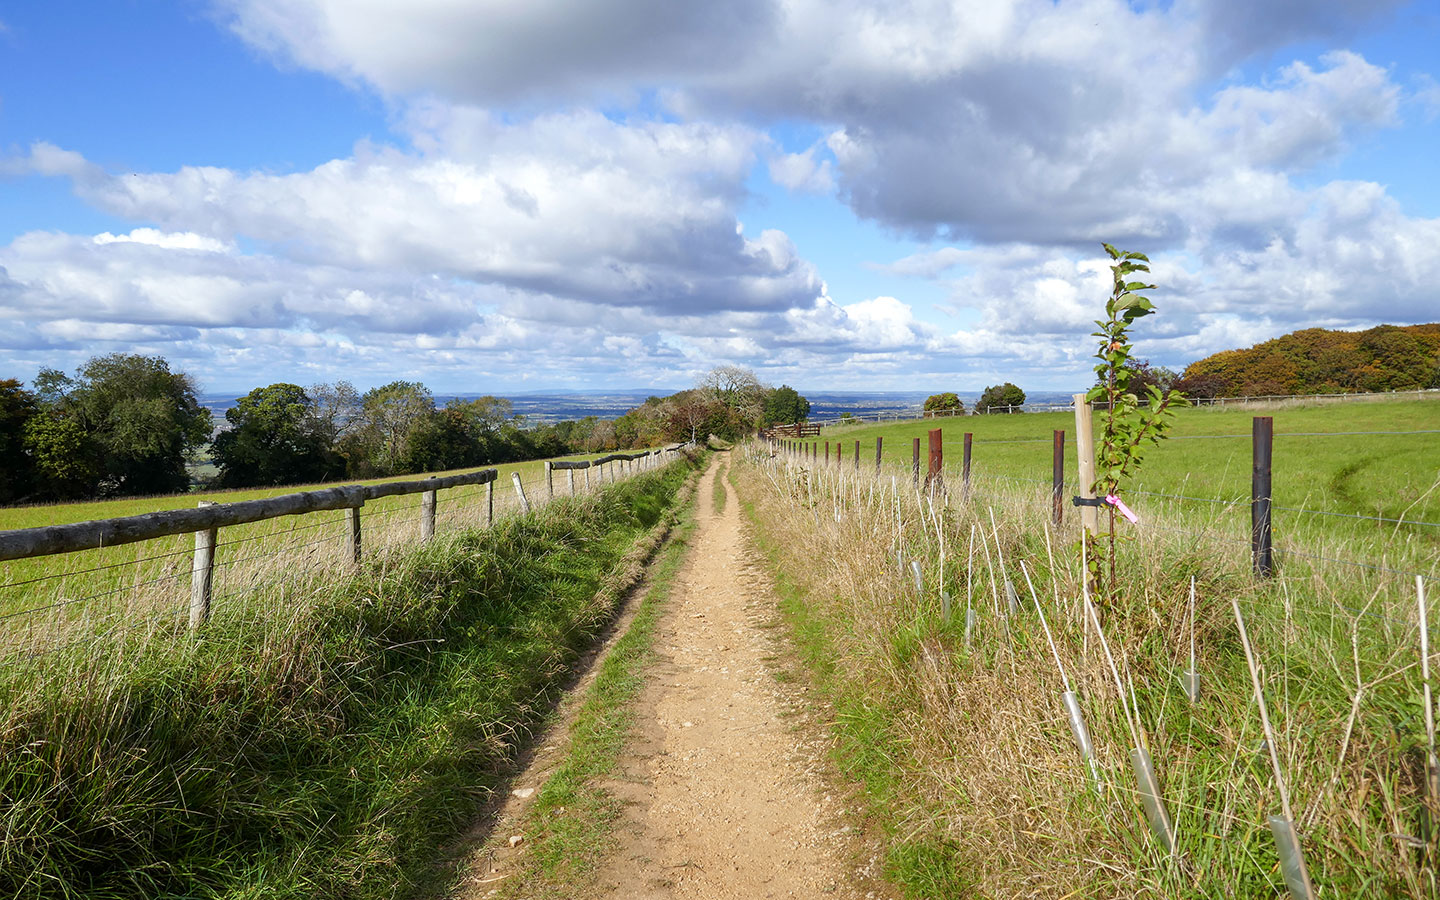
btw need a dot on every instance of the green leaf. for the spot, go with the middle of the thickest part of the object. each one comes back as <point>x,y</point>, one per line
<point>1114,254</point>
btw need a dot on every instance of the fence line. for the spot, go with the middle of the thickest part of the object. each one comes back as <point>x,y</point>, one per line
<point>207,520</point>
<point>915,413</point>
<point>803,483</point>
<point>1262,508</point>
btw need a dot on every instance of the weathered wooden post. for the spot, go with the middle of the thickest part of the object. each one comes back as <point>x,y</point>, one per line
<point>549,480</point>
<point>352,517</point>
<point>570,479</point>
<point>587,478</point>
<point>202,573</point>
<point>878,442</point>
<point>1057,477</point>
<point>489,503</point>
<point>915,463</point>
<point>427,515</point>
<point>1085,464</point>
<point>827,452</point>
<point>965,466</point>
<point>857,457</point>
<point>933,473</point>
<point>520,492</point>
<point>1262,434</point>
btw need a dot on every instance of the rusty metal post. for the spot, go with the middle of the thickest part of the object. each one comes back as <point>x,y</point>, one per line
<point>937,461</point>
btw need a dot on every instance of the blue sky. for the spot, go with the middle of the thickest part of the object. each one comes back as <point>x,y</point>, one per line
<point>841,195</point>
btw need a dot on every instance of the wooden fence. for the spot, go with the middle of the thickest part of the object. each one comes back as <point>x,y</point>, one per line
<point>208,518</point>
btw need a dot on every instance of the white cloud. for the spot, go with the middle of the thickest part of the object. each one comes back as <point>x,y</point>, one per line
<point>184,240</point>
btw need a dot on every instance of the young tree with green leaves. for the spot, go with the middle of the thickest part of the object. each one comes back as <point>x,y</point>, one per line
<point>1136,414</point>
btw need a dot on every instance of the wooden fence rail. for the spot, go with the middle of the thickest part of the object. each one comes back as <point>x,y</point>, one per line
<point>208,518</point>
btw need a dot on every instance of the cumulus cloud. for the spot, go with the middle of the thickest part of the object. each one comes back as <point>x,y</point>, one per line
<point>568,204</point>
<point>512,229</point>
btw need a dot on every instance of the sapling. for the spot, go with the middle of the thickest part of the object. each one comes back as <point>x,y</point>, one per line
<point>1130,421</point>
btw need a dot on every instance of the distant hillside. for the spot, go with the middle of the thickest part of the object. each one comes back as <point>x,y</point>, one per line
<point>1319,361</point>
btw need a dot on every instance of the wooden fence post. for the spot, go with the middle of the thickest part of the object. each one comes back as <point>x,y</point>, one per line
<point>1085,463</point>
<point>587,479</point>
<point>202,573</point>
<point>489,503</point>
<point>1057,477</point>
<point>915,464</point>
<point>827,452</point>
<point>933,474</point>
<point>1262,435</point>
<point>857,457</point>
<point>878,442</point>
<point>520,492</point>
<point>570,479</point>
<point>549,480</point>
<point>352,537</point>
<point>965,466</point>
<point>427,514</point>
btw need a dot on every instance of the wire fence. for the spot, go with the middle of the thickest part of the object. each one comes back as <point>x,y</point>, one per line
<point>917,413</point>
<point>1331,783</point>
<point>1382,530</point>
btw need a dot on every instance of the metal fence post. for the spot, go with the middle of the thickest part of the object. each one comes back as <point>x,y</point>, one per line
<point>1057,477</point>
<point>965,465</point>
<point>1262,443</point>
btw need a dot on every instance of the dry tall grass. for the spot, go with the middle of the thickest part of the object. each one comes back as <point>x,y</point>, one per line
<point>976,760</point>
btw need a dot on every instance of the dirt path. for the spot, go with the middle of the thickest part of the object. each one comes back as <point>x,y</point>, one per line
<point>723,786</point>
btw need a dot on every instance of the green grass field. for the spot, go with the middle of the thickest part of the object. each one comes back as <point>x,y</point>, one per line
<point>1317,467</point>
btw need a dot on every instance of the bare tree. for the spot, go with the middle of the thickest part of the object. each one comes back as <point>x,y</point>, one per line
<point>737,388</point>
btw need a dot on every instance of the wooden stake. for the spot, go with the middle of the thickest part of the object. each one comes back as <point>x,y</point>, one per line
<point>1085,464</point>
<point>202,572</point>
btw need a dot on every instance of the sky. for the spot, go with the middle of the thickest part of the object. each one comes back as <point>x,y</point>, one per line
<point>492,196</point>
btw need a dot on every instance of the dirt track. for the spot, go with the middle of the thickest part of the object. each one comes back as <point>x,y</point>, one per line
<point>724,783</point>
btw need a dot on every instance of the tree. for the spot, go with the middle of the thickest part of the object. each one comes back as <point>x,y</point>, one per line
<point>274,438</point>
<point>376,442</point>
<point>1000,398</point>
<point>135,420</point>
<point>739,391</point>
<point>17,407</point>
<point>784,406</point>
<point>334,409</point>
<point>946,402</point>
<point>1128,423</point>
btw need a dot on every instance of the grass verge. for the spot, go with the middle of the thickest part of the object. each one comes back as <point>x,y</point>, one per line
<point>570,826</point>
<point>717,493</point>
<point>325,738</point>
<point>961,741</point>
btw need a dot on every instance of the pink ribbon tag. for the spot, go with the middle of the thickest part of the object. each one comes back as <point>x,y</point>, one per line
<point>1119,504</point>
